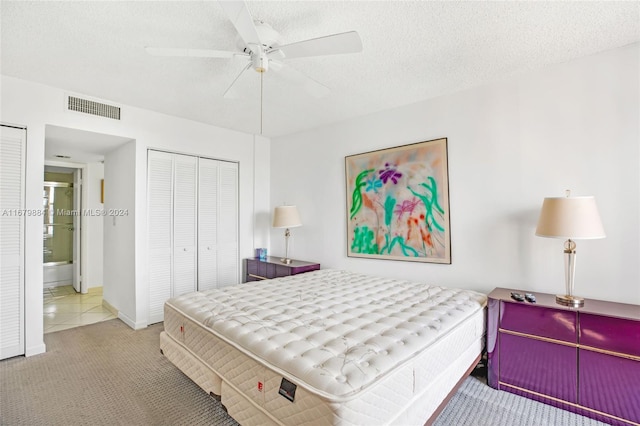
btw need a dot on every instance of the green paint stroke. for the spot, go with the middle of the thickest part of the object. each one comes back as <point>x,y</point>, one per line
<point>406,250</point>
<point>430,201</point>
<point>364,241</point>
<point>389,204</point>
<point>356,197</point>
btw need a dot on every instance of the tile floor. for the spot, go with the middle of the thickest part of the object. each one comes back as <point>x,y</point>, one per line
<point>64,308</point>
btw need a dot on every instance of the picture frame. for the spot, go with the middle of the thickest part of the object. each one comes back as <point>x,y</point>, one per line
<point>398,203</point>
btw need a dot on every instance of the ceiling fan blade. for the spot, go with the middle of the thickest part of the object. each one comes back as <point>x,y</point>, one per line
<point>229,93</point>
<point>334,44</point>
<point>239,15</point>
<point>301,80</point>
<point>192,53</point>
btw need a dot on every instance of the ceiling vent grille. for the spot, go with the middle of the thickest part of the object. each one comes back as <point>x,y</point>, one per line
<point>95,108</point>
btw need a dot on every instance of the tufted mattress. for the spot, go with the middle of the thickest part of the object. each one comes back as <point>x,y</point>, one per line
<point>326,347</point>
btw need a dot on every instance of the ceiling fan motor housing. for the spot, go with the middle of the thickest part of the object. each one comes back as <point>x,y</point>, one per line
<point>259,61</point>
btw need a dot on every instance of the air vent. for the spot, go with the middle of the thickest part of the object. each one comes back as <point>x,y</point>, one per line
<point>95,108</point>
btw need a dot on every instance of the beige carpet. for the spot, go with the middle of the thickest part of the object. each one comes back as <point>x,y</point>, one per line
<point>108,374</point>
<point>102,374</point>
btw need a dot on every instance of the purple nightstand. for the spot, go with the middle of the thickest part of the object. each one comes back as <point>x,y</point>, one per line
<point>585,360</point>
<point>256,269</point>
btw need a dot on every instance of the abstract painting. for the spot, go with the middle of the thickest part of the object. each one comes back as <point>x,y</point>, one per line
<point>398,203</point>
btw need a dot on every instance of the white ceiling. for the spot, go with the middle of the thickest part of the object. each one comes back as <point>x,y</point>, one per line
<point>80,146</point>
<point>413,50</point>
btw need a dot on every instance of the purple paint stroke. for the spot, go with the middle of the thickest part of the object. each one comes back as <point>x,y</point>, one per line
<point>389,172</point>
<point>407,206</point>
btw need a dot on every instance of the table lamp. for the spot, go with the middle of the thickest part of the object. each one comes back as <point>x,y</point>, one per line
<point>286,217</point>
<point>573,218</point>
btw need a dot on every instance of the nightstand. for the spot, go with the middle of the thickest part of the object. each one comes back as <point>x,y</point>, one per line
<point>256,269</point>
<point>585,360</point>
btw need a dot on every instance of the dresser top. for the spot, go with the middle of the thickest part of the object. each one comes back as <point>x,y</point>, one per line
<point>591,306</point>
<point>276,260</point>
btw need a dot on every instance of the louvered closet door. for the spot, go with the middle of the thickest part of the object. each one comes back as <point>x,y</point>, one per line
<point>207,224</point>
<point>160,231</point>
<point>228,261</point>
<point>185,199</point>
<point>12,152</point>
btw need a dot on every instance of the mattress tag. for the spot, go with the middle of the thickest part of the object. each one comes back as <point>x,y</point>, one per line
<point>287,389</point>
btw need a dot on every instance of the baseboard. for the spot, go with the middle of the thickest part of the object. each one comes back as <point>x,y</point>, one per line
<point>131,323</point>
<point>35,350</point>
<point>109,307</point>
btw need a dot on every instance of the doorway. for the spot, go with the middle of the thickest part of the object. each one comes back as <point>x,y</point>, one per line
<point>62,202</point>
<point>74,291</point>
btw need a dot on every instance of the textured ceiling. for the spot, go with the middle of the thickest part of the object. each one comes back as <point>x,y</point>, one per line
<point>412,51</point>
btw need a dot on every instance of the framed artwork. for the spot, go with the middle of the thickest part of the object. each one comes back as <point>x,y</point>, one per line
<point>398,203</point>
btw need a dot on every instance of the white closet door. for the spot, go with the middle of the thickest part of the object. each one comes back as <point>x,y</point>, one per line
<point>185,211</point>
<point>228,262</point>
<point>12,157</point>
<point>159,231</point>
<point>207,224</point>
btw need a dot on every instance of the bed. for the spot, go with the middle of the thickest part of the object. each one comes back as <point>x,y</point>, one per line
<point>327,347</point>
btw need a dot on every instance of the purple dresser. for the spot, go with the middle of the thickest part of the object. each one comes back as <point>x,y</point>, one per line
<point>585,360</point>
<point>256,269</point>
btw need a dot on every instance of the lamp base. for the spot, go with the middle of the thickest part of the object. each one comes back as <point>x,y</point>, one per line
<point>285,260</point>
<point>570,301</point>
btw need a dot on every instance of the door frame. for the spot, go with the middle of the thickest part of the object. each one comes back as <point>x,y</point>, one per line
<point>79,237</point>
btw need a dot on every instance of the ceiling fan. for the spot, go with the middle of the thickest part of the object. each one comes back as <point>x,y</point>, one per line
<point>259,46</point>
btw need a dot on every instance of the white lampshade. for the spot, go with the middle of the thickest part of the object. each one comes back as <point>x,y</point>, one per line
<point>570,217</point>
<point>286,217</point>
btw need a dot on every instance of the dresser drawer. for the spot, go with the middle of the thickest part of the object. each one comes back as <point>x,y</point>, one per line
<point>543,367</point>
<point>549,323</point>
<point>257,270</point>
<point>610,384</point>
<point>281,271</point>
<point>610,334</point>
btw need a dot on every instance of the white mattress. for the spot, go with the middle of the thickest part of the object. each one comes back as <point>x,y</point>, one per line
<point>358,348</point>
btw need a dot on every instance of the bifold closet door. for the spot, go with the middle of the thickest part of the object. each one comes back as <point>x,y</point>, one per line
<point>160,231</point>
<point>172,194</point>
<point>207,224</point>
<point>218,261</point>
<point>228,258</point>
<point>192,226</point>
<point>185,224</point>
<point>12,163</point>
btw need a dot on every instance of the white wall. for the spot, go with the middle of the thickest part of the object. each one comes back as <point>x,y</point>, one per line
<point>34,106</point>
<point>262,199</point>
<point>575,125</point>
<point>119,232</point>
